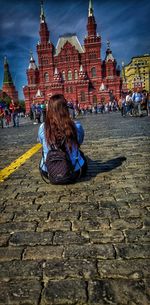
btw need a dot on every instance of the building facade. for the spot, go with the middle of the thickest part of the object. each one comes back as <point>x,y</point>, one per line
<point>72,69</point>
<point>137,73</point>
<point>8,88</point>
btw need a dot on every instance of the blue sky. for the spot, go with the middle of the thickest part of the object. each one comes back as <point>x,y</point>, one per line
<point>125,23</point>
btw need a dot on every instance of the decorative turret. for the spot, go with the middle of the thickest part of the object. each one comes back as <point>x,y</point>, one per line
<point>32,64</point>
<point>32,72</point>
<point>110,62</point>
<point>8,86</point>
<point>44,33</point>
<point>109,55</point>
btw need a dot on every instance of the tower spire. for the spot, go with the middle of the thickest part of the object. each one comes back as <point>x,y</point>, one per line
<point>44,33</point>
<point>91,11</point>
<point>91,25</point>
<point>7,75</point>
<point>42,15</point>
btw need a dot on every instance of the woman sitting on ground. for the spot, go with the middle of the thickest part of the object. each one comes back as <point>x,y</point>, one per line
<point>60,132</point>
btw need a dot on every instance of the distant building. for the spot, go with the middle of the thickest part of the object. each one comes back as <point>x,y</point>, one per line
<point>8,88</point>
<point>71,69</point>
<point>137,73</point>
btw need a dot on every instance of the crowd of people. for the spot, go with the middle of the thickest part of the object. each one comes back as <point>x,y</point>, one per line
<point>130,104</point>
<point>9,113</point>
<point>38,112</point>
<point>133,103</point>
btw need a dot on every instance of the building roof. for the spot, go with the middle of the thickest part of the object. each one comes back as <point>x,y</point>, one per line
<point>72,39</point>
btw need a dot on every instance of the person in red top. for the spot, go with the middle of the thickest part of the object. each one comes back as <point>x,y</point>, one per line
<point>14,109</point>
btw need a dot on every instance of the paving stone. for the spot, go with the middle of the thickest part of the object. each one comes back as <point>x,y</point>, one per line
<point>89,251</point>
<point>130,212</point>
<point>10,253</point>
<point>84,206</point>
<point>118,292</point>
<point>52,225</point>
<point>101,213</point>
<point>53,206</point>
<point>31,238</point>
<point>127,269</point>
<point>138,236</point>
<point>128,251</point>
<point>22,269</point>
<point>12,292</point>
<point>43,252</point>
<point>64,292</point>
<point>90,225</point>
<point>126,223</point>
<point>17,226</point>
<point>70,268</point>
<point>64,215</point>
<point>107,236</point>
<point>61,237</point>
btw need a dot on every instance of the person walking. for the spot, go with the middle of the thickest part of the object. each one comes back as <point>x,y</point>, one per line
<point>137,99</point>
<point>62,133</point>
<point>123,105</point>
<point>14,109</point>
<point>7,117</point>
<point>129,102</point>
<point>148,104</point>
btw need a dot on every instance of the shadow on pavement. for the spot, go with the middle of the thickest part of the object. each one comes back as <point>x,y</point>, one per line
<point>96,167</point>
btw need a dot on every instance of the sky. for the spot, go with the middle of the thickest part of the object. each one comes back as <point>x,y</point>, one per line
<point>125,23</point>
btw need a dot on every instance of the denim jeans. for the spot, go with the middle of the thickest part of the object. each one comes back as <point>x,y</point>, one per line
<point>15,119</point>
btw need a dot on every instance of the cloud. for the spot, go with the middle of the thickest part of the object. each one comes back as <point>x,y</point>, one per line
<point>125,23</point>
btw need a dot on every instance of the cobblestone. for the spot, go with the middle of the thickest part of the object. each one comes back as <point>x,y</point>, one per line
<point>80,244</point>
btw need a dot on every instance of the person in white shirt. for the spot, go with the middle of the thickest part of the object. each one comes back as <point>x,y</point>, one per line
<point>129,102</point>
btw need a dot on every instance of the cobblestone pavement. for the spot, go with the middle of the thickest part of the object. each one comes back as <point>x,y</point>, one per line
<point>86,243</point>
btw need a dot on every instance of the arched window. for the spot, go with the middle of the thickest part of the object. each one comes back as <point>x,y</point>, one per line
<point>93,72</point>
<point>46,77</point>
<point>69,75</point>
<point>82,96</point>
<point>75,74</point>
<point>63,75</point>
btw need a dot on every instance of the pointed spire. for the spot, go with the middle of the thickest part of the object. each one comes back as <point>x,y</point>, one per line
<point>91,25</point>
<point>42,16</point>
<point>91,11</point>
<point>44,33</point>
<point>7,74</point>
<point>32,64</point>
<point>108,44</point>
<point>109,55</point>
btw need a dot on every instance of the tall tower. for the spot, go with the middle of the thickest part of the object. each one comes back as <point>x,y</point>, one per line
<point>45,50</point>
<point>92,44</point>
<point>8,86</point>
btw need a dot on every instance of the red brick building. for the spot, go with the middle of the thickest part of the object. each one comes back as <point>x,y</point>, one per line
<point>8,88</point>
<point>75,70</point>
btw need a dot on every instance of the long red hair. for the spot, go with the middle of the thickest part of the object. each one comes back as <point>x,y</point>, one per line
<point>58,124</point>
